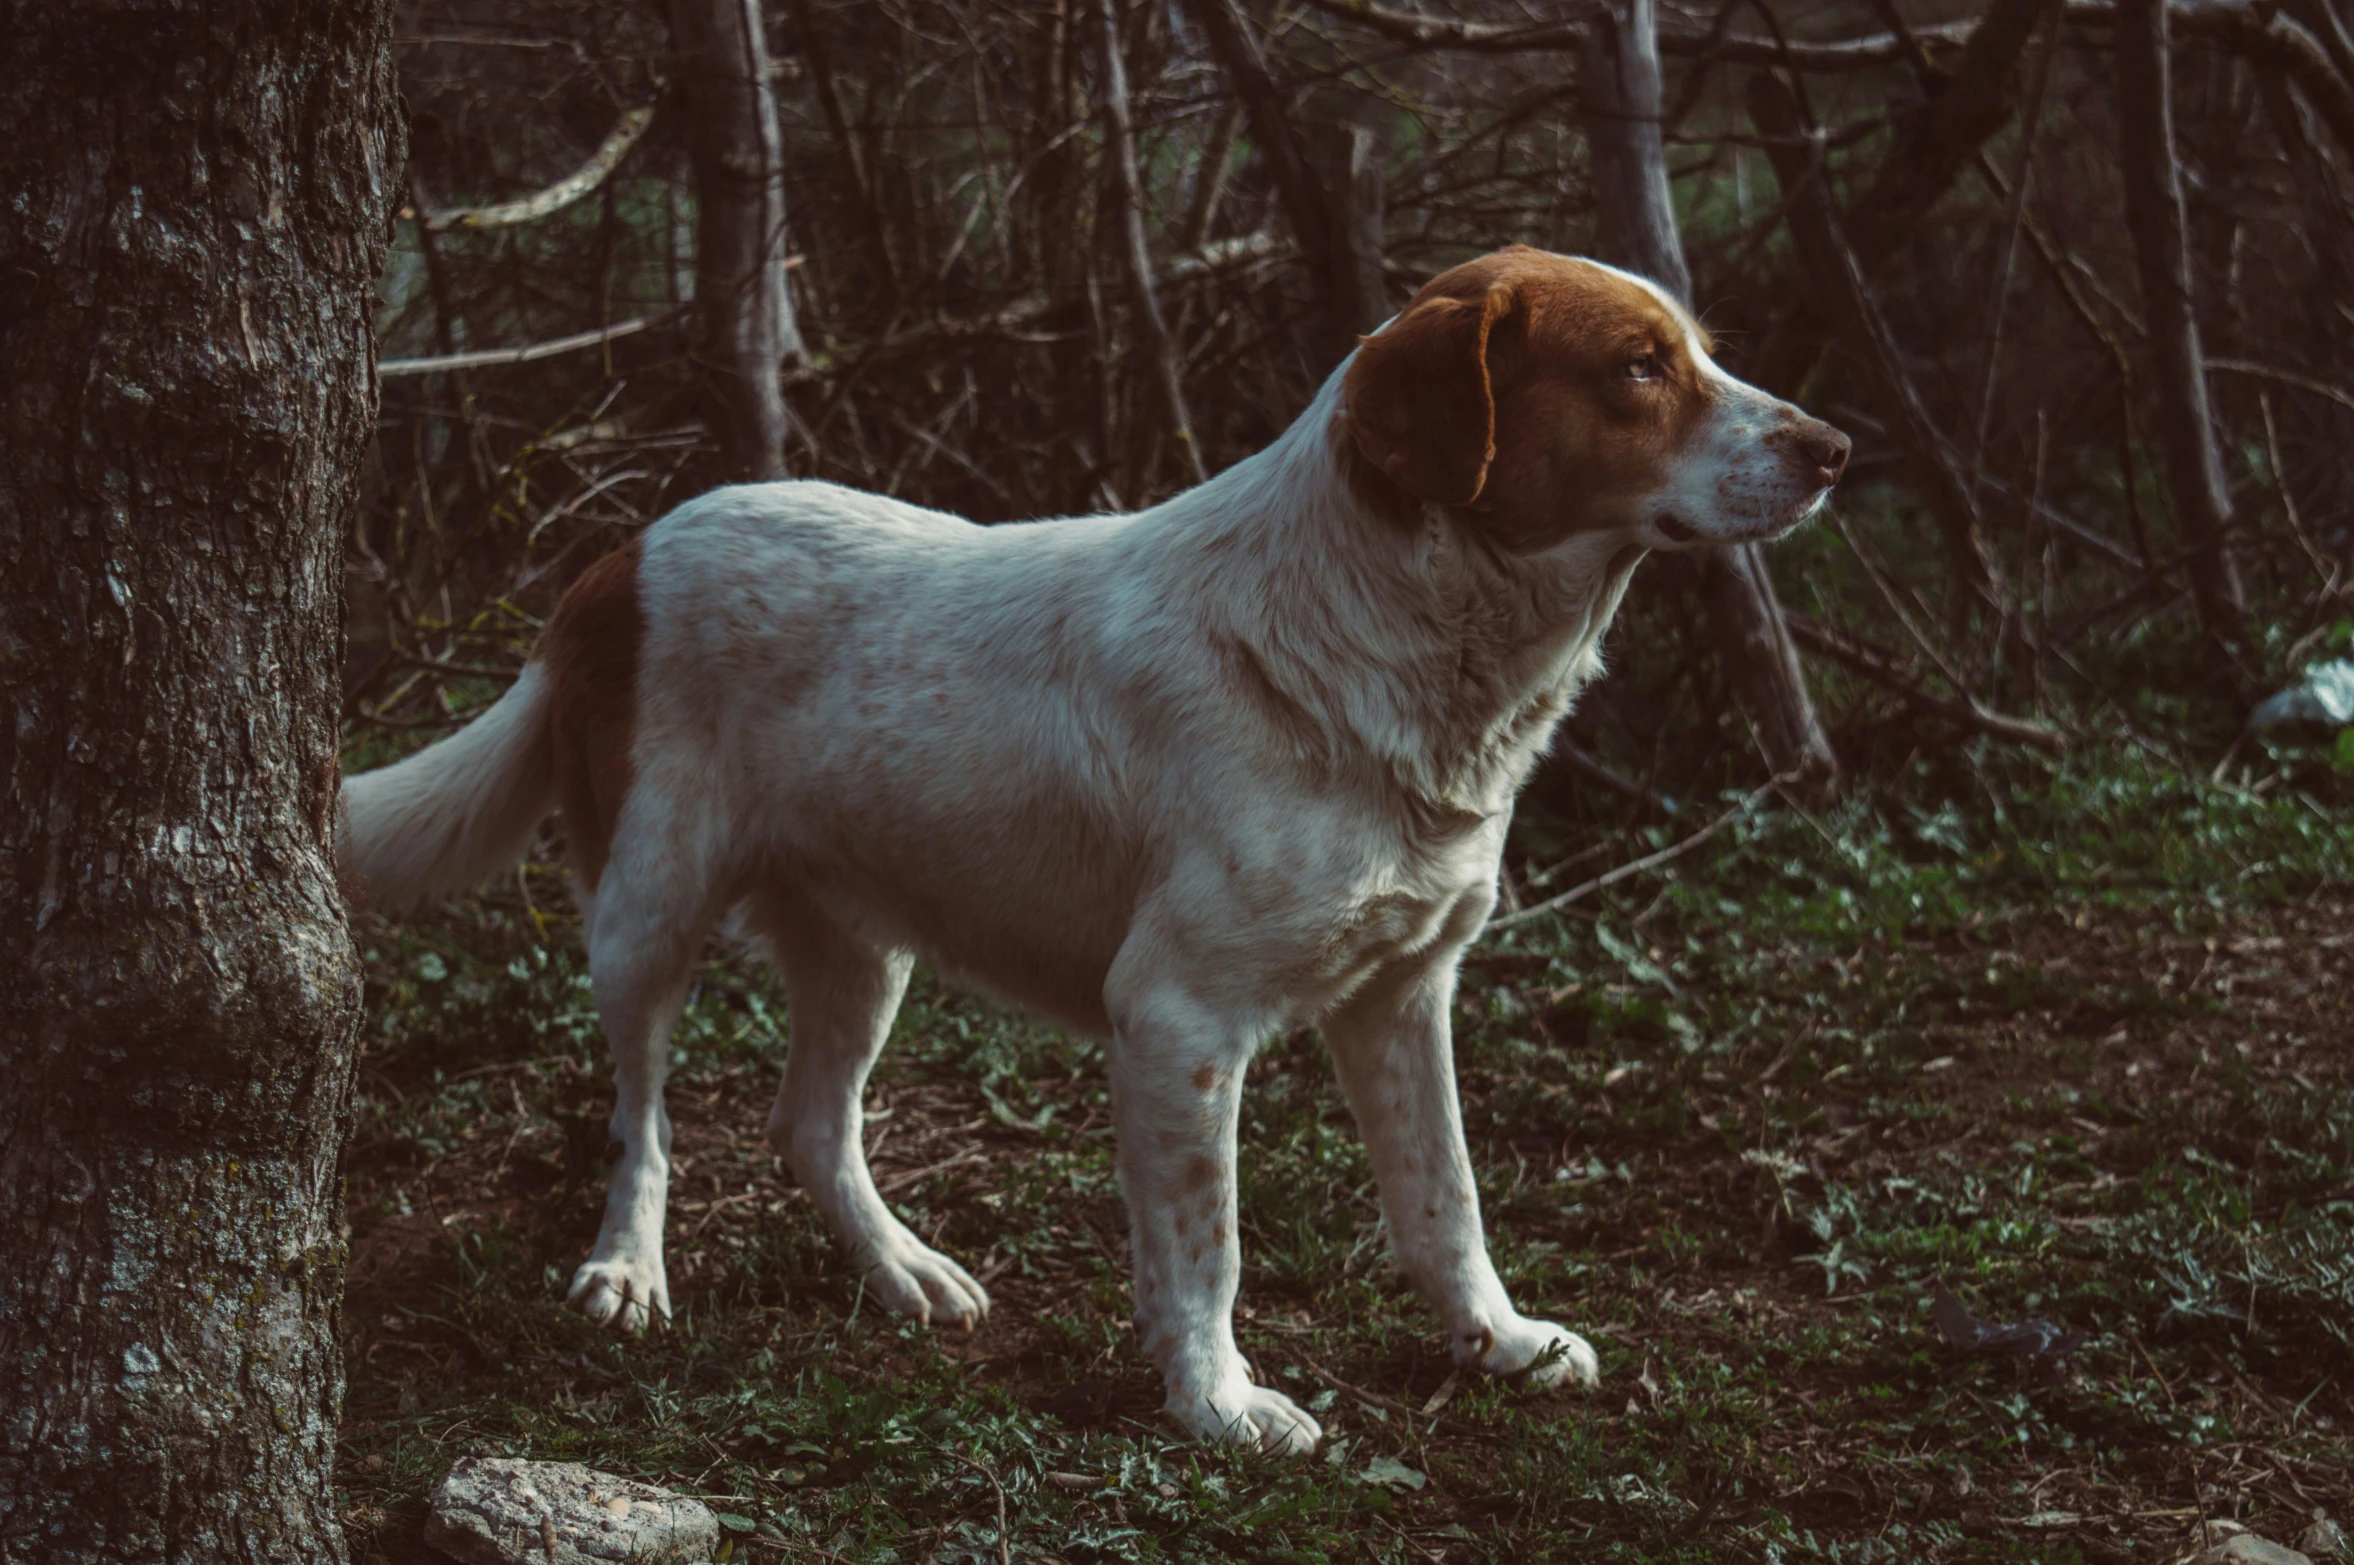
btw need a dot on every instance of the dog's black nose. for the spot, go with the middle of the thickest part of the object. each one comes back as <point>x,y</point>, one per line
<point>1826,448</point>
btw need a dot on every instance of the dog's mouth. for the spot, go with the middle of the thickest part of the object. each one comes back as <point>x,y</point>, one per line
<point>1677,531</point>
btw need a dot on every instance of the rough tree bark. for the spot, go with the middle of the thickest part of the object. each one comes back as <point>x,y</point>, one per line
<point>744,326</point>
<point>1620,98</point>
<point>2154,212</point>
<point>198,200</point>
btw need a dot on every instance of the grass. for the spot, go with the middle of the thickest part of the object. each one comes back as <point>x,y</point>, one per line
<point>2071,1039</point>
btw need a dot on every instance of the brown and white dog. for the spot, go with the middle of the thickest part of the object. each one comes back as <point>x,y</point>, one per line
<point>1185,778</point>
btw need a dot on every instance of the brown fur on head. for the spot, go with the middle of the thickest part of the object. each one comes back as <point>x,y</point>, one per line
<point>1544,396</point>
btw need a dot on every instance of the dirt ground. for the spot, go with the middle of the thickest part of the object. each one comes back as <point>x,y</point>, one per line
<point>2080,1114</point>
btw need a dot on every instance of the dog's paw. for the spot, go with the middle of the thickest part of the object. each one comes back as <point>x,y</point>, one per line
<point>621,1292</point>
<point>914,1280</point>
<point>1540,1352</point>
<point>1240,1413</point>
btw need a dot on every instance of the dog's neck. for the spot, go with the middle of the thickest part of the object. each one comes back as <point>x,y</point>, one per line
<point>1461,659</point>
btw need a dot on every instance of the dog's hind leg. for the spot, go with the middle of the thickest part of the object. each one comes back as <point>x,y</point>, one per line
<point>843,995</point>
<point>650,912</point>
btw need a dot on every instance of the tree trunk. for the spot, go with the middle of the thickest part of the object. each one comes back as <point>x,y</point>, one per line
<point>197,213</point>
<point>1840,287</point>
<point>1619,90</point>
<point>1620,98</point>
<point>1348,156</point>
<point>744,327</point>
<point>1937,141</point>
<point>2154,212</point>
<point>1342,307</point>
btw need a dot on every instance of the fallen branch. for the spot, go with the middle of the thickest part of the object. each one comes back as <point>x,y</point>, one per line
<point>561,194</point>
<point>1376,1400</point>
<point>1649,861</point>
<point>1880,666</point>
<point>488,357</point>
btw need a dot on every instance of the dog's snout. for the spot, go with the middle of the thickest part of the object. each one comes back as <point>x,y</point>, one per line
<point>1826,448</point>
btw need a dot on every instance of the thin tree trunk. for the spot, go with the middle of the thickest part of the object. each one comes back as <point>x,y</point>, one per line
<point>1839,285</point>
<point>197,214</point>
<point>1620,92</point>
<point>1937,142</point>
<point>1128,200</point>
<point>1619,98</point>
<point>1342,309</point>
<point>2154,212</point>
<point>1352,180</point>
<point>829,99</point>
<point>1209,185</point>
<point>744,326</point>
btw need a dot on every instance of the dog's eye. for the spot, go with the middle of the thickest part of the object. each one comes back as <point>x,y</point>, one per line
<point>1643,367</point>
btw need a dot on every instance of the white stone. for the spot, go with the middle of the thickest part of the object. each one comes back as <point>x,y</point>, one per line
<point>2228,1543</point>
<point>2324,1540</point>
<point>502,1511</point>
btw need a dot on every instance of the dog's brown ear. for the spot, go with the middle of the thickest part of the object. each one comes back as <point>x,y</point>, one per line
<point>1420,403</point>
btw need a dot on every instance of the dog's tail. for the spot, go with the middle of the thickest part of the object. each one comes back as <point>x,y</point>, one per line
<point>456,811</point>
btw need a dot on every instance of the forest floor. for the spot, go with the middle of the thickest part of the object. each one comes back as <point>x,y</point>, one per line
<point>2081,1057</point>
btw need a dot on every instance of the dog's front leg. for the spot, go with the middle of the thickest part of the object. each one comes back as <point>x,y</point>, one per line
<point>1176,1077</point>
<point>1395,1052</point>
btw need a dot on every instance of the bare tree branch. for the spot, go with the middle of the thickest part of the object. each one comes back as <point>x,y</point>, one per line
<point>2152,177</point>
<point>1127,199</point>
<point>2320,388</point>
<point>541,203</point>
<point>490,357</point>
<point>1881,666</point>
<point>1341,312</point>
<point>1628,871</point>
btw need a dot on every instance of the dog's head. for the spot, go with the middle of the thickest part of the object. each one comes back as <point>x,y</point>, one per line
<point>1547,396</point>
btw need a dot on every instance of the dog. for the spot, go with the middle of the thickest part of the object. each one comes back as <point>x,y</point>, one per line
<point>1184,778</point>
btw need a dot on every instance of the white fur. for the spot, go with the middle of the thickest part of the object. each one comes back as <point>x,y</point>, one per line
<point>1235,764</point>
<point>454,812</point>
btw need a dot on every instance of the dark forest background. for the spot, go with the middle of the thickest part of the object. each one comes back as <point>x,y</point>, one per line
<point>1914,218</point>
<point>1924,921</point>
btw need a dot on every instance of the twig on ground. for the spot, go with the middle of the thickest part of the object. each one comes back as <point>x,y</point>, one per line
<point>1375,1399</point>
<point>1649,861</point>
<point>898,1182</point>
<point>1005,1553</point>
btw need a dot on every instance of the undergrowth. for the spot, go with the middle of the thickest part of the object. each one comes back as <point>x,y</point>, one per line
<point>2068,1038</point>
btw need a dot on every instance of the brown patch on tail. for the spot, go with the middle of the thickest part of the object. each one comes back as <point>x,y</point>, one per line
<point>591,650</point>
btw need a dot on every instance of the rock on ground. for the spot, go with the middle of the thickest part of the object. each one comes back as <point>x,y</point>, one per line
<point>2324,1540</point>
<point>2220,1542</point>
<point>500,1511</point>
